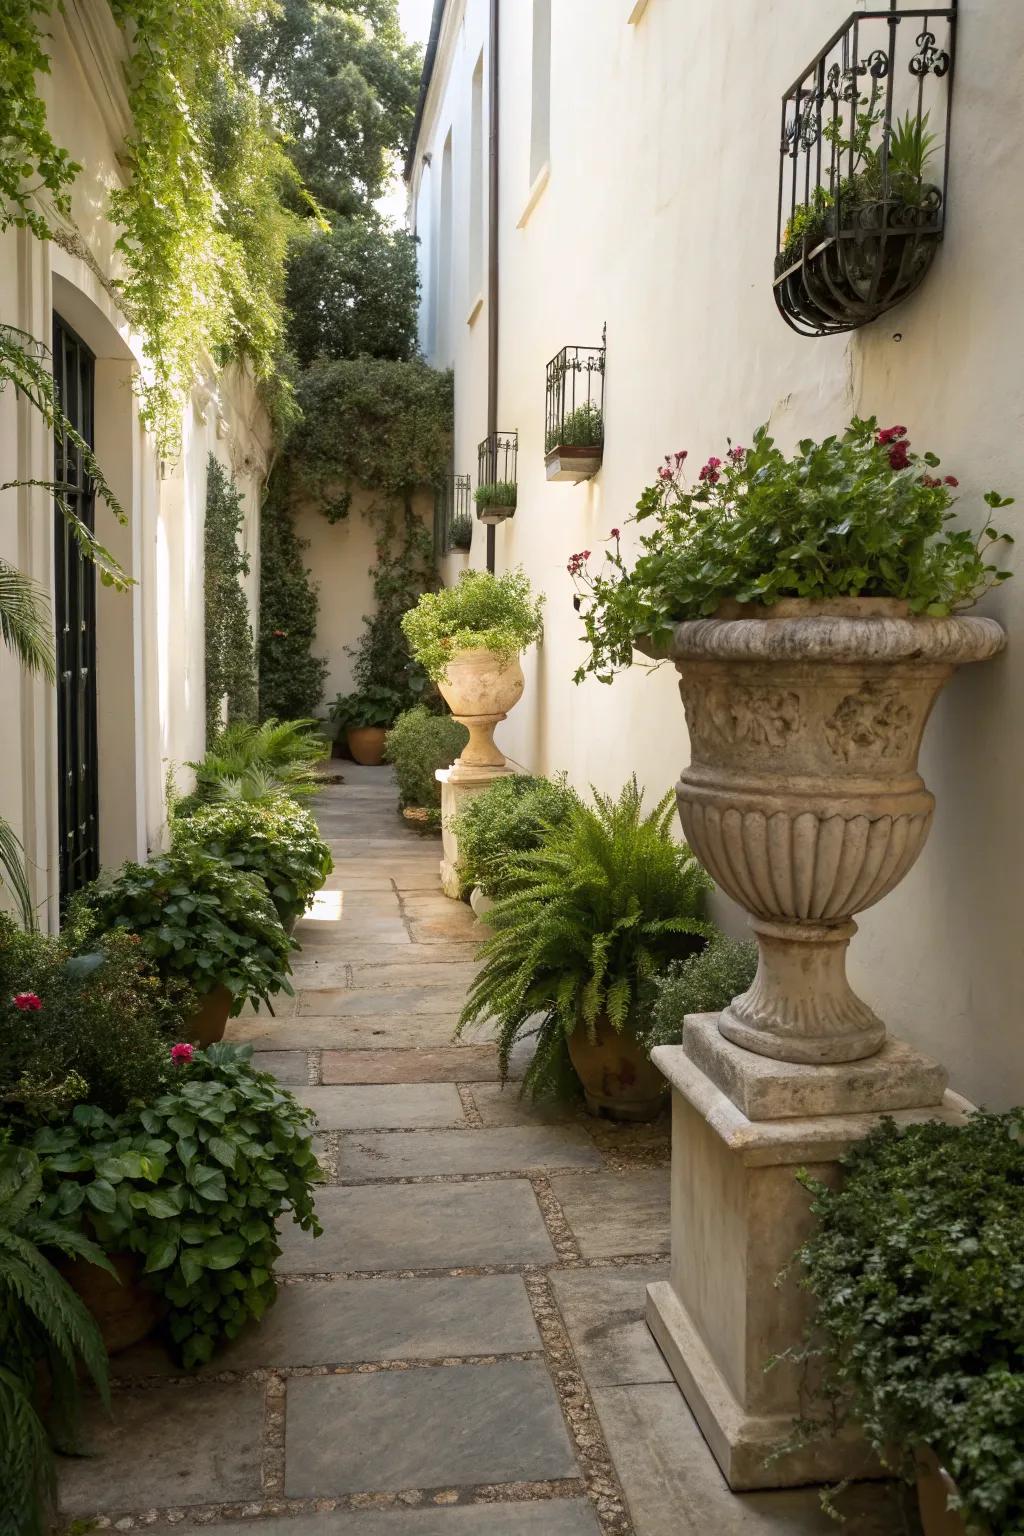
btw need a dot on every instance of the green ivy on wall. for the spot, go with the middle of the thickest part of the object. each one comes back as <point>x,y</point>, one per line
<point>291,677</point>
<point>230,659</point>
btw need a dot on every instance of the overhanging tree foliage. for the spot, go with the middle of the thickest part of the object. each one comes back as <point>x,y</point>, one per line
<point>352,290</point>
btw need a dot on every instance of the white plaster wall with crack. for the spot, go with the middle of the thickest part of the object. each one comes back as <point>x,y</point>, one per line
<point>657,215</point>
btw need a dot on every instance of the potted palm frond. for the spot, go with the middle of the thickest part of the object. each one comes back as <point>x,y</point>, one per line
<point>582,926</point>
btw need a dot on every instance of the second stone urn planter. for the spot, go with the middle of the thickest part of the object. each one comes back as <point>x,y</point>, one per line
<point>802,797</point>
<point>480,687</point>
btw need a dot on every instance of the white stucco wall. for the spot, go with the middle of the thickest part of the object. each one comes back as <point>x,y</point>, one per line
<point>150,661</point>
<point>658,216</point>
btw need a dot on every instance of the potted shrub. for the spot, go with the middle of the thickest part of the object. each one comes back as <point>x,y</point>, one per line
<point>511,816</point>
<point>583,925</point>
<point>916,1264</point>
<point>809,604</point>
<point>200,920</point>
<point>461,531</point>
<point>277,840</point>
<point>418,744</point>
<point>365,717</point>
<point>574,449</point>
<point>468,638</point>
<point>495,501</point>
<point>189,1184</point>
<point>705,982</point>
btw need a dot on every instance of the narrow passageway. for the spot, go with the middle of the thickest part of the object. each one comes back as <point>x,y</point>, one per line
<point>462,1353</point>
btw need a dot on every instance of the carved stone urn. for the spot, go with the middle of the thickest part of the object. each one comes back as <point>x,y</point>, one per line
<point>480,687</point>
<point>802,798</point>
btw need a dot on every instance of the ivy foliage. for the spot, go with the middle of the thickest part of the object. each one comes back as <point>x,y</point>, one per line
<point>291,682</point>
<point>352,291</point>
<point>30,161</point>
<point>230,659</point>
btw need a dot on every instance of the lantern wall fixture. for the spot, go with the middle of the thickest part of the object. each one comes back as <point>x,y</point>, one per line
<point>863,168</point>
<point>574,412</point>
<point>497,470</point>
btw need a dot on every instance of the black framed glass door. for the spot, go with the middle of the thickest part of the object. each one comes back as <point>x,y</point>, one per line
<point>74,371</point>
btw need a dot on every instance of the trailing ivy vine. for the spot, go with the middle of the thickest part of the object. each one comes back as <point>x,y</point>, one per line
<point>230,659</point>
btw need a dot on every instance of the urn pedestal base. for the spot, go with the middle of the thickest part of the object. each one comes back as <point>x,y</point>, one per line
<point>459,784</point>
<point>742,1125</point>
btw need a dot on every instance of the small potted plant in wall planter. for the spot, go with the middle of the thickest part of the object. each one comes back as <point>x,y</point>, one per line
<point>495,501</point>
<point>574,450</point>
<point>365,717</point>
<point>461,533</point>
<point>468,639</point>
<point>810,604</point>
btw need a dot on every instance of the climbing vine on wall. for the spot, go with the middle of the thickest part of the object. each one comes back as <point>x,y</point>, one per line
<point>230,659</point>
<point>291,677</point>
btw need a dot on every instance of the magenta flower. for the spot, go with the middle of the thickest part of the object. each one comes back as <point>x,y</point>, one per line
<point>615,533</point>
<point>889,435</point>
<point>736,454</point>
<point>951,480</point>
<point>182,1053</point>
<point>709,471</point>
<point>28,1002</point>
<point>681,455</point>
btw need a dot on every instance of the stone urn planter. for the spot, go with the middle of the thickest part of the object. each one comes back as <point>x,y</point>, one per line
<point>210,1019</point>
<point>802,797</point>
<point>366,744</point>
<point>619,1080</point>
<point>480,687</point>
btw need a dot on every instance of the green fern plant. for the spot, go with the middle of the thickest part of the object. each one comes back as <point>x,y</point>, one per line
<point>585,924</point>
<point>44,1328</point>
<point>276,756</point>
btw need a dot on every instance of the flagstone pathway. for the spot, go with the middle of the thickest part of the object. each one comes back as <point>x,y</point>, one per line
<point>462,1353</point>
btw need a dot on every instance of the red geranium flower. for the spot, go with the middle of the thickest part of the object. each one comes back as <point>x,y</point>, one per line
<point>182,1053</point>
<point>28,1002</point>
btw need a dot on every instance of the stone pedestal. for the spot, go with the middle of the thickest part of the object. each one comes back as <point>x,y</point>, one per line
<point>742,1125</point>
<point>459,784</point>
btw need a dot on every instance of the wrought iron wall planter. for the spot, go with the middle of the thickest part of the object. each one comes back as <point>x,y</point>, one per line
<point>453,519</point>
<point>497,468</point>
<point>574,413</point>
<point>863,168</point>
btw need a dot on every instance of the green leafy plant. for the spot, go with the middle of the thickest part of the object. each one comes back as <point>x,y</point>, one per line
<point>461,531</point>
<point>512,816</point>
<point>83,1017</point>
<point>198,918</point>
<point>195,1184</point>
<point>859,515</point>
<point>496,493</point>
<point>46,1339</point>
<point>287,753</point>
<point>480,612</point>
<point>353,291</point>
<point>580,428</point>
<point>585,924</point>
<point>277,840</point>
<point>705,982</point>
<point>374,705</point>
<point>230,661</point>
<point>917,1267</point>
<point>291,681</point>
<point>417,745</point>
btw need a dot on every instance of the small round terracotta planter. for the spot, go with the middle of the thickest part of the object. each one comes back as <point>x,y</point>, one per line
<point>480,687</point>
<point>125,1309</point>
<point>366,744</point>
<point>619,1080</point>
<point>208,1023</point>
<point>934,1486</point>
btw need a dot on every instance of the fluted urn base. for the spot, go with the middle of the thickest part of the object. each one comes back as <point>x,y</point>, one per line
<point>801,1006</point>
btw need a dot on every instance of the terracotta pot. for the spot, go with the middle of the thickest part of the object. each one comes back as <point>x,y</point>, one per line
<point>210,1019</point>
<point>125,1309</point>
<point>480,689</point>
<point>366,744</point>
<point>934,1485</point>
<point>802,797</point>
<point>619,1081</point>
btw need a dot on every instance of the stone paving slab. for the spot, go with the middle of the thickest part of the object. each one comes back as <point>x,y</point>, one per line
<point>674,1487</point>
<point>445,1064</point>
<point>424,957</point>
<point>284,1004</point>
<point>547,1517</point>
<point>512,1149</point>
<point>613,1214</point>
<point>460,1425</point>
<point>417,1226</point>
<point>375,1031</point>
<point>367,928</point>
<point>603,1312</point>
<point>347,1002</point>
<point>290,1067</point>
<point>348,1322</point>
<point>405,1106</point>
<point>190,1444</point>
<point>502,1104</point>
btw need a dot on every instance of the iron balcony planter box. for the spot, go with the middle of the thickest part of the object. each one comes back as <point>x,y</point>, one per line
<point>495,514</point>
<point>574,464</point>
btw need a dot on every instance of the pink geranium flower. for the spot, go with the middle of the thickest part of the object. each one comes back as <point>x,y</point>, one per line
<point>28,1002</point>
<point>182,1053</point>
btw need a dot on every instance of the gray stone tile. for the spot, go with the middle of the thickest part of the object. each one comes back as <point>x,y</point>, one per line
<point>510,1149</point>
<point>603,1311</point>
<point>436,1427</point>
<point>443,1064</point>
<point>415,1226</point>
<point>361,956</point>
<point>404,1106</point>
<point>192,1444</point>
<point>371,929</point>
<point>284,1006</point>
<point>502,1104</point>
<point>616,1214</point>
<point>398,998</point>
<point>289,1067</point>
<point>311,1032</point>
<point>347,1322</point>
<point>546,1517</point>
<point>674,1488</point>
